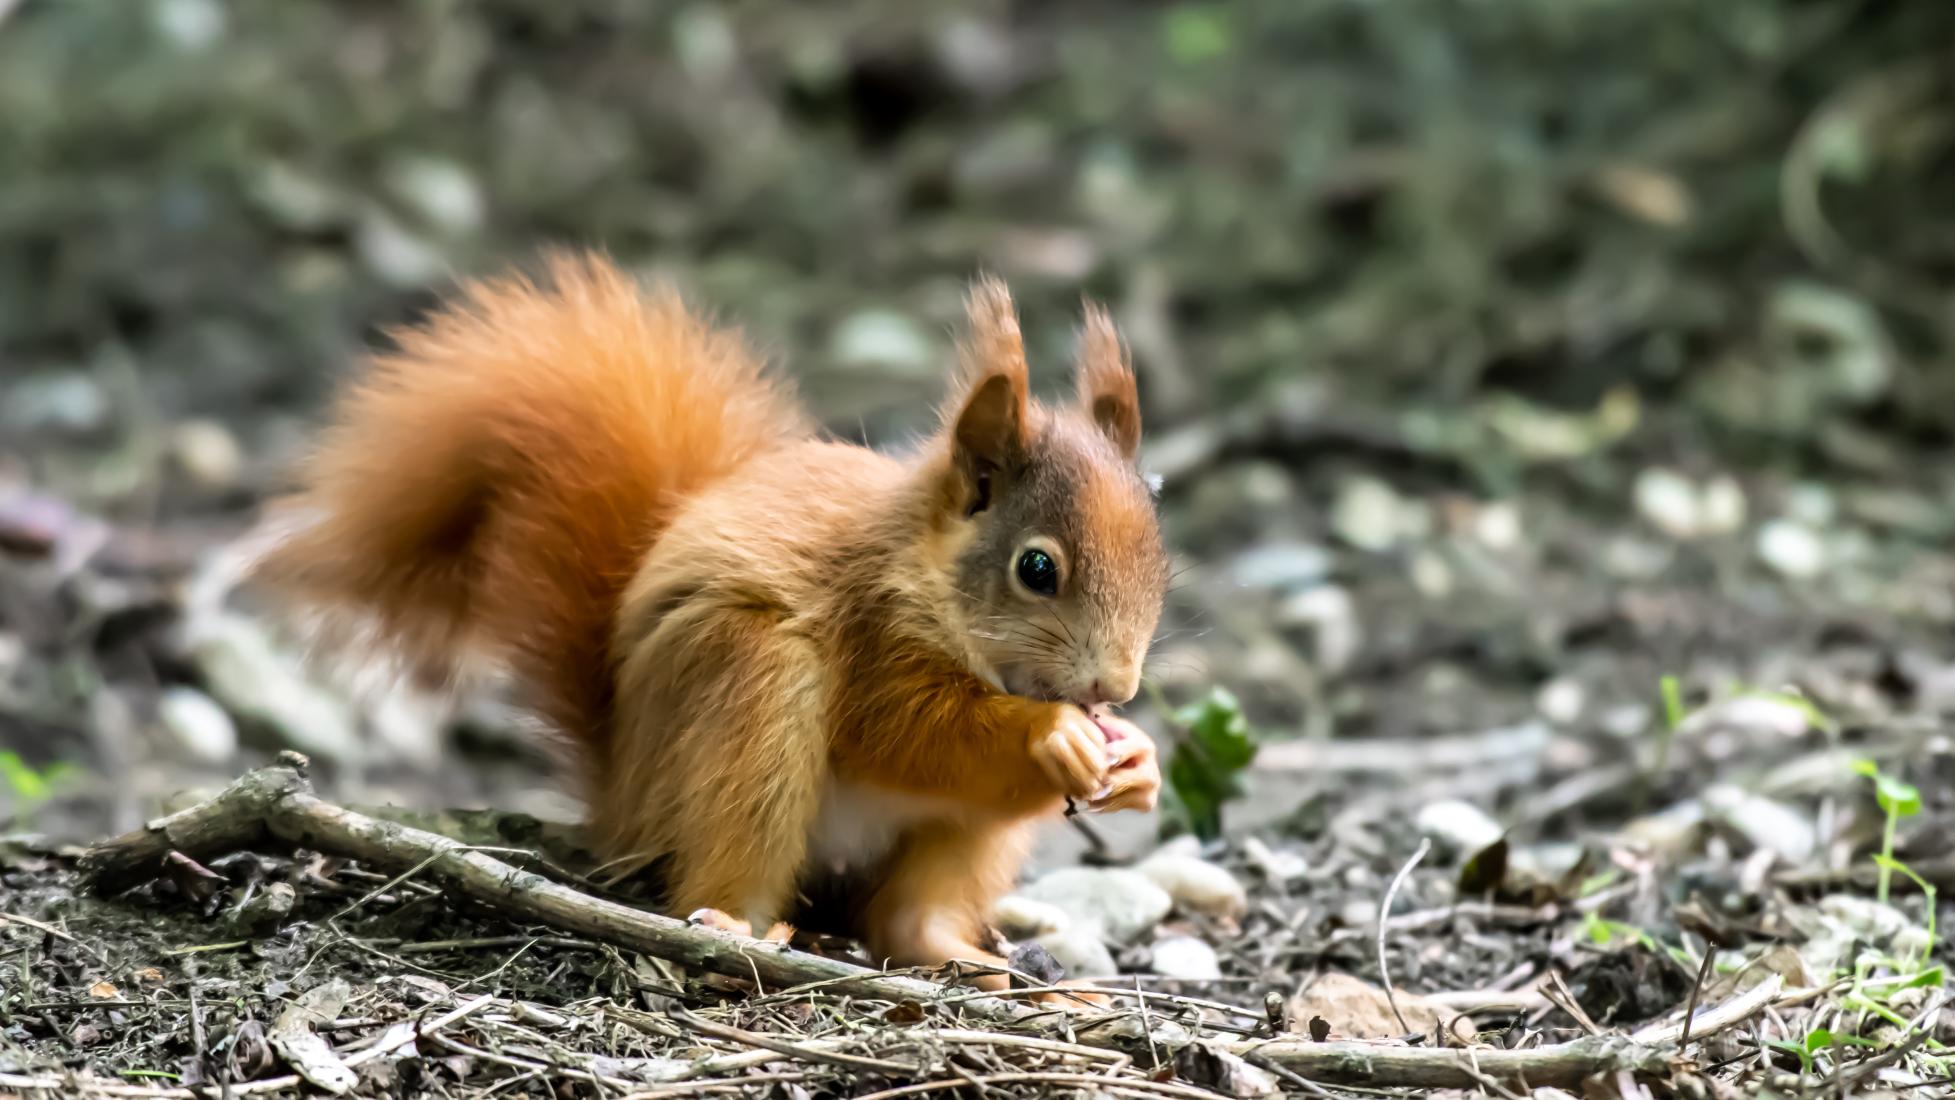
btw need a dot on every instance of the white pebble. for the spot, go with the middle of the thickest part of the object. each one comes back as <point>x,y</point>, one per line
<point>1561,701</point>
<point>1670,502</point>
<point>1185,957</point>
<point>1276,866</point>
<point>1021,918</point>
<point>207,452</point>
<point>1080,951</point>
<point>1459,825</point>
<point>1498,525</point>
<point>198,724</point>
<point>1118,905</point>
<point>1723,506</point>
<point>1196,885</point>
<point>1792,548</point>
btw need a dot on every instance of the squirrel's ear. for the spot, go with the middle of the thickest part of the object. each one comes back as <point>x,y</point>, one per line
<point>991,426</point>
<point>1106,382</point>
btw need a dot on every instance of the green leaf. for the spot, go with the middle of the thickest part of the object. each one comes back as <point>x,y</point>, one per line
<point>1198,32</point>
<point>1932,978</point>
<point>1673,711</point>
<point>28,784</point>
<point>1598,882</point>
<point>1205,771</point>
<point>1216,724</point>
<point>1603,932</point>
<point>1194,800</point>
<point>1897,798</point>
<point>1820,1038</point>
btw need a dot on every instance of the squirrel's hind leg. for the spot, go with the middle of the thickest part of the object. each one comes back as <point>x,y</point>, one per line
<point>936,894</point>
<point>727,757</point>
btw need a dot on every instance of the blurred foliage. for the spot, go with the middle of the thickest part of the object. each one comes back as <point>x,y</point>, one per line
<point>1743,204</point>
<point>1213,747</point>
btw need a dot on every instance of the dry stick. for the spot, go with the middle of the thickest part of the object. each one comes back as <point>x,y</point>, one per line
<point>1488,1002</point>
<point>1696,989</point>
<point>1716,1018</point>
<point>1384,911</point>
<point>30,922</point>
<point>399,1036</point>
<point>1564,999</point>
<point>783,1046</point>
<point>278,802</point>
<point>1139,1085</point>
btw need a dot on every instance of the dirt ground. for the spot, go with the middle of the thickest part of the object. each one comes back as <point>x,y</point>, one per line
<point>1553,413</point>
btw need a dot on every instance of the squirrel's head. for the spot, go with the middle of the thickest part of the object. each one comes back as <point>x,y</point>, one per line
<point>1057,567</point>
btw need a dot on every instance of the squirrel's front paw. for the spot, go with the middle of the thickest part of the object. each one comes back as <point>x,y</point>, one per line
<point>1073,754</point>
<point>1134,781</point>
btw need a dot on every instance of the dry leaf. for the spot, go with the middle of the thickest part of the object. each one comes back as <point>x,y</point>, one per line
<point>104,991</point>
<point>302,1048</point>
<point>1359,1010</point>
<point>1646,193</point>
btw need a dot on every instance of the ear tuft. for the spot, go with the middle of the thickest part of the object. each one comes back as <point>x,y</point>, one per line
<point>992,416</point>
<point>1107,391</point>
<point>992,342</point>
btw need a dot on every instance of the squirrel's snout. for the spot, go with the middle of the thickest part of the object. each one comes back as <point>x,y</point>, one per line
<point>1110,688</point>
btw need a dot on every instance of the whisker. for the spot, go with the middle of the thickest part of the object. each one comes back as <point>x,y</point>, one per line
<point>1054,616</point>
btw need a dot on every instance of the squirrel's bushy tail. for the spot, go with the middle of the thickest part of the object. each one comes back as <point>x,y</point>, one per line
<point>492,484</point>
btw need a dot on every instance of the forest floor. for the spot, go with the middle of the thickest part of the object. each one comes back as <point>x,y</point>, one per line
<point>1610,786</point>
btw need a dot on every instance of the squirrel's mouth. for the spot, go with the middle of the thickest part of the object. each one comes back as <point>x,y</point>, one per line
<point>1030,685</point>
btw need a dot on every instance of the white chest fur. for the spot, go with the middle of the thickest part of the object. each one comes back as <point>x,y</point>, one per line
<point>859,824</point>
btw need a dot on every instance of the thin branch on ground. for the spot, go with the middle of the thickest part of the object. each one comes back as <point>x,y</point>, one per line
<point>278,803</point>
<point>1384,912</point>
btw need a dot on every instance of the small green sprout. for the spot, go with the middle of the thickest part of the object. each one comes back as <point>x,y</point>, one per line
<point>1673,712</point>
<point>1602,932</point>
<point>1889,864</point>
<point>30,786</point>
<point>1897,800</point>
<point>1598,882</point>
<point>1819,1039</point>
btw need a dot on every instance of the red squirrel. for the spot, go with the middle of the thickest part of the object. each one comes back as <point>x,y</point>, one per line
<point>779,656</point>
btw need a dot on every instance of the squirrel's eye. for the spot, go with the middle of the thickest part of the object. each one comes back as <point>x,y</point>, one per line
<point>1038,572</point>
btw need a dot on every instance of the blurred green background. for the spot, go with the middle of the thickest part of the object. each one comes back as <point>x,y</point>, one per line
<point>1436,304</point>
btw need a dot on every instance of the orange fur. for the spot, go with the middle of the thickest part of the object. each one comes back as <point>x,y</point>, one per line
<point>495,480</point>
<point>784,656</point>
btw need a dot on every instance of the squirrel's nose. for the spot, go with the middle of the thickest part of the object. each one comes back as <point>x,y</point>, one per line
<point>1114,690</point>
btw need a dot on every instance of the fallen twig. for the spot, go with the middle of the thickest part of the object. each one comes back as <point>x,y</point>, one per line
<point>783,1046</point>
<point>278,802</point>
<point>397,1037</point>
<point>1383,1065</point>
<point>1385,911</point>
<point>49,929</point>
<point>1715,1018</point>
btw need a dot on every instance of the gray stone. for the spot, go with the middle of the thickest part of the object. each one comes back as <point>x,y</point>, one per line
<point>1118,905</point>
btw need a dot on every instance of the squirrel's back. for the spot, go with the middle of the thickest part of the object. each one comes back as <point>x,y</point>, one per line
<point>493,482</point>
